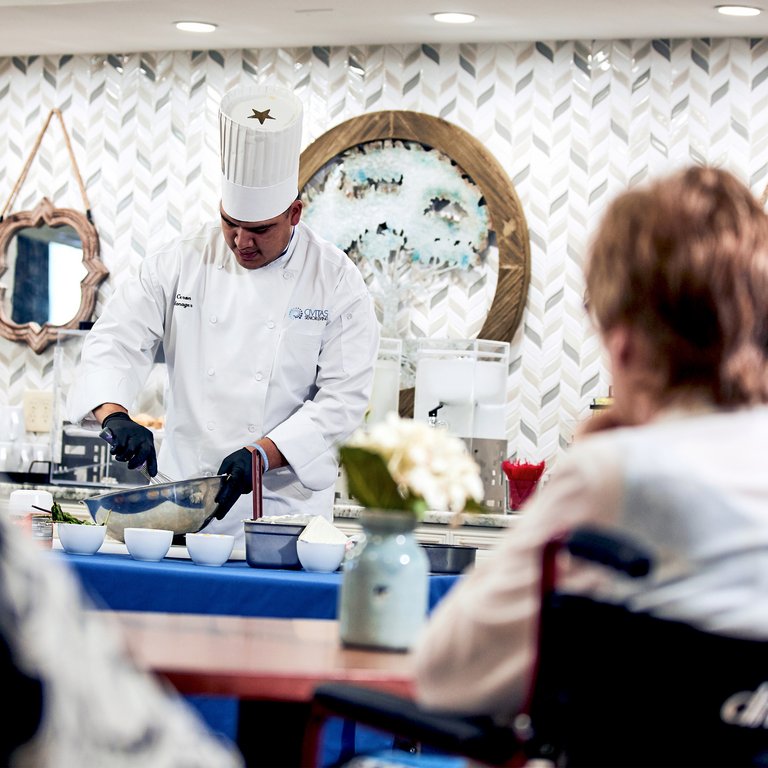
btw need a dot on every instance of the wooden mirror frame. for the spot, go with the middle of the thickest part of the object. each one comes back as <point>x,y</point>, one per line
<point>38,337</point>
<point>507,216</point>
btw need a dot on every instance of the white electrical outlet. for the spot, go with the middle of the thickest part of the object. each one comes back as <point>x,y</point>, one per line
<point>38,410</point>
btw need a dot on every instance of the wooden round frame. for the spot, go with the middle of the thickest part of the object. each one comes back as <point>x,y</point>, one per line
<point>506,212</point>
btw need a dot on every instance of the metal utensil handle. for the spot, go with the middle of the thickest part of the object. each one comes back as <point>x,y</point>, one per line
<point>108,436</point>
<point>258,472</point>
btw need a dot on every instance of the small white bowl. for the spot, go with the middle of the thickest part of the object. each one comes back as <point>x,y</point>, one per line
<point>209,548</point>
<point>149,544</point>
<point>321,557</point>
<point>81,538</point>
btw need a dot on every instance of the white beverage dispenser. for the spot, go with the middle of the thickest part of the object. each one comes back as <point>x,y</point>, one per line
<point>461,385</point>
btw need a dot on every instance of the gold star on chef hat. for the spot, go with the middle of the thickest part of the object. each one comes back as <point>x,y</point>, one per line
<point>260,116</point>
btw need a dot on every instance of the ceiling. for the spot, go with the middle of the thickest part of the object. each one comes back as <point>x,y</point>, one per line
<point>30,27</point>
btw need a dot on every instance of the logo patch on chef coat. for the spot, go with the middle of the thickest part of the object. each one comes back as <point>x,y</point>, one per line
<point>319,315</point>
<point>183,301</point>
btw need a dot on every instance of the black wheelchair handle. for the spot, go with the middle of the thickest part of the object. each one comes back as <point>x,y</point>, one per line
<point>612,549</point>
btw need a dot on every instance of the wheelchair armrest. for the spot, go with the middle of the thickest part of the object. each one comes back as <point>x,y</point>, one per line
<point>477,738</point>
<point>609,548</point>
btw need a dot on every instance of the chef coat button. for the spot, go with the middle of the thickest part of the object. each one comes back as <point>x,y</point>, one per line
<point>287,275</point>
<point>214,319</point>
<point>211,371</point>
<point>210,426</point>
<point>251,427</point>
<point>219,266</point>
<point>259,376</point>
<point>349,315</point>
<point>270,324</point>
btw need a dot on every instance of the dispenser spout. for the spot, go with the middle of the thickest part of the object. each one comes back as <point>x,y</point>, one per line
<point>433,414</point>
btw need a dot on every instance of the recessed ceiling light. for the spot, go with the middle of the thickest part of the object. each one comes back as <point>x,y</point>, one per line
<point>737,10</point>
<point>195,26</point>
<point>454,18</point>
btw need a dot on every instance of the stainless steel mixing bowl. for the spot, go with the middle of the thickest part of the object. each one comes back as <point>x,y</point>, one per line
<point>184,506</point>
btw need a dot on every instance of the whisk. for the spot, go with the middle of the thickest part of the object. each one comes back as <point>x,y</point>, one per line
<point>107,435</point>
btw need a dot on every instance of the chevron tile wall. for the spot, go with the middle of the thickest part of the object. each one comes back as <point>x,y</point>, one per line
<point>572,123</point>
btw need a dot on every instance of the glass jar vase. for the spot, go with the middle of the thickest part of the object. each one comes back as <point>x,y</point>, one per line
<point>384,591</point>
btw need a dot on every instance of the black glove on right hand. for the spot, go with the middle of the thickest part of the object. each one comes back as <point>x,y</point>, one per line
<point>130,441</point>
<point>239,467</point>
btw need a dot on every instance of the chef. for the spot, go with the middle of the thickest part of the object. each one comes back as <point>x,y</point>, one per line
<point>268,332</point>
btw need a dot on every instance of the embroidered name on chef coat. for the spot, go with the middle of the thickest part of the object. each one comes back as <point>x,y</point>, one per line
<point>297,313</point>
<point>183,301</point>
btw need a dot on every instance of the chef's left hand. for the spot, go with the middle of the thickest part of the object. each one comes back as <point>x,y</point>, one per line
<point>239,467</point>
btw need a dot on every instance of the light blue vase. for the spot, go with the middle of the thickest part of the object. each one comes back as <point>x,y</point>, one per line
<point>384,589</point>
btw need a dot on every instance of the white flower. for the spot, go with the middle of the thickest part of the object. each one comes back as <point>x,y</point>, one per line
<point>424,462</point>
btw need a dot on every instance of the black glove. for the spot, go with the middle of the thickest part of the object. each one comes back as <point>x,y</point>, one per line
<point>130,441</point>
<point>239,467</point>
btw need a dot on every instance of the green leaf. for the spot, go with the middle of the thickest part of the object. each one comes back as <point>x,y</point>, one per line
<point>369,481</point>
<point>58,515</point>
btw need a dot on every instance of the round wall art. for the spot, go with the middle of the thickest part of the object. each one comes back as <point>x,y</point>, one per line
<point>430,218</point>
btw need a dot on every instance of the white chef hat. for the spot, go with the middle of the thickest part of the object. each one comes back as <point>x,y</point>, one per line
<point>260,133</point>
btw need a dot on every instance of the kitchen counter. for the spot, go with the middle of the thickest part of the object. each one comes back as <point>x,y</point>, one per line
<point>61,493</point>
<point>353,512</point>
<point>72,494</point>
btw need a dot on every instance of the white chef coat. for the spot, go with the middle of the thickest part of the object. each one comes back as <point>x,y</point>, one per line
<point>286,351</point>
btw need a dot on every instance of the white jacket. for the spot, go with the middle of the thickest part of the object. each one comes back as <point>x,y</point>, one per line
<point>286,351</point>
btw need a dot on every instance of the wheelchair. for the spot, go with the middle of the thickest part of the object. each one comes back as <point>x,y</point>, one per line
<point>612,687</point>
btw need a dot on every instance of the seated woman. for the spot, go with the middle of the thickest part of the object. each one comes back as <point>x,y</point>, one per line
<point>73,697</point>
<point>677,281</point>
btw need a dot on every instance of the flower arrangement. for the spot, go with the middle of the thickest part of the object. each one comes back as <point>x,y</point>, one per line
<point>401,464</point>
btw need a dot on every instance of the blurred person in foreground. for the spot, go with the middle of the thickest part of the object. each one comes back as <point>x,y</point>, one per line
<point>677,281</point>
<point>73,695</point>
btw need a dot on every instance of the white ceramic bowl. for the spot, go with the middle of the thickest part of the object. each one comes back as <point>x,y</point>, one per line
<point>149,544</point>
<point>320,556</point>
<point>209,548</point>
<point>81,539</point>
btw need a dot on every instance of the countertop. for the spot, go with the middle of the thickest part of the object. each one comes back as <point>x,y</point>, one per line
<point>351,511</point>
<point>72,494</point>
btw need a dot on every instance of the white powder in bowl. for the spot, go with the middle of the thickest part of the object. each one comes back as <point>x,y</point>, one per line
<point>320,531</point>
<point>284,519</point>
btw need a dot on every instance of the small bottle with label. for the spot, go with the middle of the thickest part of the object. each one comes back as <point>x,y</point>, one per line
<point>31,511</point>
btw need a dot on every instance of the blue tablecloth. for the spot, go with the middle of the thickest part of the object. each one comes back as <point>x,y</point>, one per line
<point>120,583</point>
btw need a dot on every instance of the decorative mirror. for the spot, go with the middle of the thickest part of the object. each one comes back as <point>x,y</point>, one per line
<point>49,273</point>
<point>50,268</point>
<point>431,219</point>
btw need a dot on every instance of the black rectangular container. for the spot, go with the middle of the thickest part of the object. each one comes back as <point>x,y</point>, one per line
<point>449,558</point>
<point>272,545</point>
